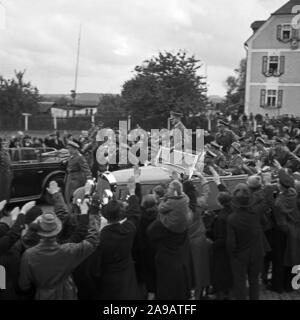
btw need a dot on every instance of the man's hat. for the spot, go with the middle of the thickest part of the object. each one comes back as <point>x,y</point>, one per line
<point>216,145</point>
<point>242,196</point>
<point>254,182</point>
<point>222,123</point>
<point>73,144</point>
<point>210,154</point>
<point>286,180</point>
<point>236,146</point>
<point>260,140</point>
<point>48,225</point>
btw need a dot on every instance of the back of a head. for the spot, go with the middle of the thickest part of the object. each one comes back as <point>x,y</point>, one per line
<point>254,182</point>
<point>149,201</point>
<point>159,191</point>
<point>112,211</point>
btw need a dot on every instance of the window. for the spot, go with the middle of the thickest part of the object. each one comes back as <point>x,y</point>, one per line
<point>273,66</point>
<point>286,32</point>
<point>271,98</point>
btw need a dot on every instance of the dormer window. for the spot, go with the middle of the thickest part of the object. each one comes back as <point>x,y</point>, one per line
<point>286,32</point>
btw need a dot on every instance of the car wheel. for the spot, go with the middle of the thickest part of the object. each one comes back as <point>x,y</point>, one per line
<point>47,198</point>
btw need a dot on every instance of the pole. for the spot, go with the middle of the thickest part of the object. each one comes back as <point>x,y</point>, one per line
<point>26,115</point>
<point>77,63</point>
<point>55,123</point>
<point>209,122</point>
<point>129,123</point>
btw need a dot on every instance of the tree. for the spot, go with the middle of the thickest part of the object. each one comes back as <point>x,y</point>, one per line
<point>236,85</point>
<point>168,82</point>
<point>17,96</point>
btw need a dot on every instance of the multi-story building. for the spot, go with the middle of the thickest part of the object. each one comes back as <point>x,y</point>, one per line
<point>273,63</point>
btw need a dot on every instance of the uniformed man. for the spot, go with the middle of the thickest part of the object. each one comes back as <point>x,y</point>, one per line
<point>5,173</point>
<point>263,152</point>
<point>225,137</point>
<point>78,171</point>
<point>236,163</point>
<point>220,160</point>
<point>209,161</point>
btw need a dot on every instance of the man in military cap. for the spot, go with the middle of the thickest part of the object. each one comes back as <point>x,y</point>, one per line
<point>225,137</point>
<point>284,156</point>
<point>78,171</point>
<point>263,152</point>
<point>178,127</point>
<point>209,161</point>
<point>220,160</point>
<point>236,163</point>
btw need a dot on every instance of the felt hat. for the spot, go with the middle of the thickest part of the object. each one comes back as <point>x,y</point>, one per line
<point>286,180</point>
<point>49,225</point>
<point>242,196</point>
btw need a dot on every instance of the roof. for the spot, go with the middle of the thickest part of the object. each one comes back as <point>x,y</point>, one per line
<point>257,24</point>
<point>86,103</point>
<point>45,106</point>
<point>287,8</point>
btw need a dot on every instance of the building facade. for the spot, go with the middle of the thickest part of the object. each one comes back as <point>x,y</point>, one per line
<point>273,64</point>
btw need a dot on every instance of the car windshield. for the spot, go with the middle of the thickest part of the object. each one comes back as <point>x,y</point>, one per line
<point>184,162</point>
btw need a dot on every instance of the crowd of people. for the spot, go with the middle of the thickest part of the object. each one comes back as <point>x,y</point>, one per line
<point>165,245</point>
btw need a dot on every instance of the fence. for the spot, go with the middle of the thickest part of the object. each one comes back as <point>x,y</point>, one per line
<point>47,123</point>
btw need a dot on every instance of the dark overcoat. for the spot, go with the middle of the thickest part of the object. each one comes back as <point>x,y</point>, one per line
<point>172,260</point>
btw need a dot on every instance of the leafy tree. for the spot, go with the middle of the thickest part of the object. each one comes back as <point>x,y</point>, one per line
<point>236,85</point>
<point>168,82</point>
<point>17,96</point>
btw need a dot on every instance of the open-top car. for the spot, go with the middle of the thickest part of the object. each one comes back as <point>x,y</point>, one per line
<point>33,169</point>
<point>161,173</point>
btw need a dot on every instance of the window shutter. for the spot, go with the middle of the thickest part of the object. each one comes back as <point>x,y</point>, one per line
<point>280,99</point>
<point>295,34</point>
<point>279,29</point>
<point>265,65</point>
<point>282,65</point>
<point>263,98</point>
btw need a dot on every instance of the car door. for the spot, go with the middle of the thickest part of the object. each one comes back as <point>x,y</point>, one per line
<point>25,174</point>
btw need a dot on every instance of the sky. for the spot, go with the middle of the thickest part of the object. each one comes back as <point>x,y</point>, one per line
<point>41,37</point>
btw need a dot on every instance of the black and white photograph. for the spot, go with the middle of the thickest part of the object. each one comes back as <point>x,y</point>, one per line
<point>149,153</point>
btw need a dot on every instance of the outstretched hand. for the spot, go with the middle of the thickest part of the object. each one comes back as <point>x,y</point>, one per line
<point>2,204</point>
<point>131,186</point>
<point>28,206</point>
<point>84,207</point>
<point>15,213</point>
<point>277,164</point>
<point>215,175</point>
<point>53,187</point>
